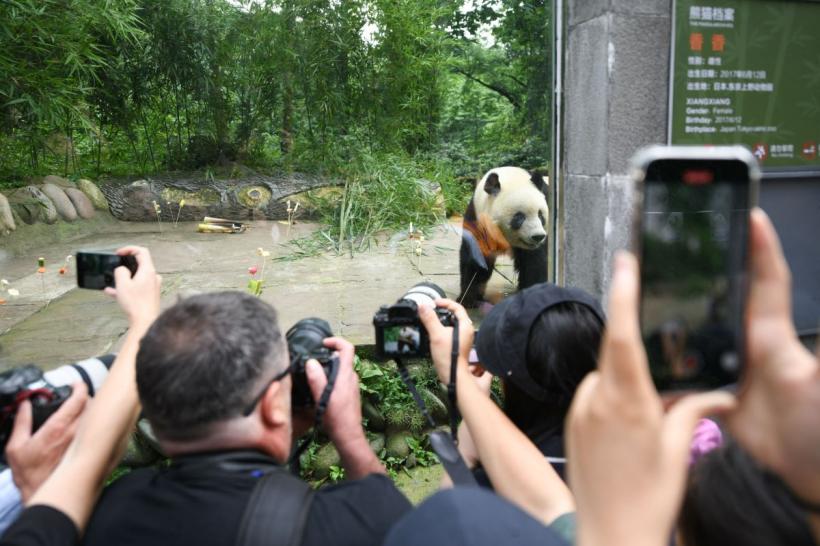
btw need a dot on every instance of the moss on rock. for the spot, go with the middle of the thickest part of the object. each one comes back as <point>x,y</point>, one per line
<point>91,190</point>
<point>254,197</point>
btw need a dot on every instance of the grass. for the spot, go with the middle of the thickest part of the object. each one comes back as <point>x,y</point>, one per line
<point>383,192</point>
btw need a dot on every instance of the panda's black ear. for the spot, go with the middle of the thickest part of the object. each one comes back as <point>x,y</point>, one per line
<point>540,181</point>
<point>492,185</point>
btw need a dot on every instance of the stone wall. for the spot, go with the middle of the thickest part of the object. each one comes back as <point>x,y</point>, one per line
<point>615,95</point>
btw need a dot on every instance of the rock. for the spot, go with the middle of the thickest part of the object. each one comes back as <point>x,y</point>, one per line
<point>375,419</point>
<point>146,433</point>
<point>397,445</point>
<point>82,204</point>
<point>138,453</point>
<point>326,456</point>
<point>377,442</point>
<point>6,217</point>
<point>61,202</point>
<point>411,461</point>
<point>434,192</point>
<point>91,190</point>
<point>33,205</point>
<point>254,197</point>
<point>58,181</point>
<point>437,408</point>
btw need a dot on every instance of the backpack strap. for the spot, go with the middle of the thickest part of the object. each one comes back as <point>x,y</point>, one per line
<point>276,514</point>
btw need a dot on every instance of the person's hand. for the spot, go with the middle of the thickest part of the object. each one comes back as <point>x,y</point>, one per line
<point>441,338</point>
<point>32,457</point>
<point>343,418</point>
<point>138,296</point>
<point>778,414</point>
<point>627,458</point>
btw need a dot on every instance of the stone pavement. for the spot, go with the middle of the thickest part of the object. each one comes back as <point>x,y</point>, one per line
<point>52,322</point>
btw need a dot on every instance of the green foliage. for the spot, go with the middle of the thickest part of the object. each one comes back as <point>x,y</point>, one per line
<point>384,94</point>
<point>383,384</point>
<point>337,473</point>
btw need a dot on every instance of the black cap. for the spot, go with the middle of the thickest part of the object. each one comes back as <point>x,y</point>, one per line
<point>502,339</point>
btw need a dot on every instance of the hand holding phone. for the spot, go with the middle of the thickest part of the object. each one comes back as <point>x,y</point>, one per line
<point>95,270</point>
<point>691,237</point>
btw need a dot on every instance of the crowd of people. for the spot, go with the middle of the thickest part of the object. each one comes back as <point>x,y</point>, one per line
<point>584,450</point>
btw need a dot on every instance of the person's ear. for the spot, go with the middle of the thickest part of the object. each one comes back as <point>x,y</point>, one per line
<point>275,404</point>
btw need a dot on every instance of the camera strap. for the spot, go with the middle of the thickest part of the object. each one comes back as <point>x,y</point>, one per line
<point>321,408</point>
<point>443,444</point>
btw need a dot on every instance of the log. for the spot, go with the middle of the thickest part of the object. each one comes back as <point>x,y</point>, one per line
<point>251,197</point>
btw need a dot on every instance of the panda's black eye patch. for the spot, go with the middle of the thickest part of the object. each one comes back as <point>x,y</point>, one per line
<point>518,220</point>
<point>541,217</point>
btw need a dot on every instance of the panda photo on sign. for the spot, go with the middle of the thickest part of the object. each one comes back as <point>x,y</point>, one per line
<point>507,214</point>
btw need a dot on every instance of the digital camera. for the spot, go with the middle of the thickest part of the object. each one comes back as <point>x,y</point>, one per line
<point>46,391</point>
<point>399,332</point>
<point>305,341</point>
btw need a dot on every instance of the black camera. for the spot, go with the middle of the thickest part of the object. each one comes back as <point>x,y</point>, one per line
<point>399,332</point>
<point>46,391</point>
<point>305,341</point>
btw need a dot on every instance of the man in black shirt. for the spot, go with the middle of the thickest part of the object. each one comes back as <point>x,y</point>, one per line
<point>214,379</point>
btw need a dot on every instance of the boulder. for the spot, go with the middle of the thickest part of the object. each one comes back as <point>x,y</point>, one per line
<point>91,190</point>
<point>32,205</point>
<point>58,181</point>
<point>437,408</point>
<point>138,453</point>
<point>61,202</point>
<point>397,445</point>
<point>6,217</point>
<point>375,419</point>
<point>326,456</point>
<point>82,204</point>
<point>377,442</point>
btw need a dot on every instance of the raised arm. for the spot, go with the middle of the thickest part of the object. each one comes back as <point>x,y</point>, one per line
<point>76,482</point>
<point>517,468</point>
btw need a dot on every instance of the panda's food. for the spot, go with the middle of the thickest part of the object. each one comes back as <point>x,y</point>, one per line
<point>507,215</point>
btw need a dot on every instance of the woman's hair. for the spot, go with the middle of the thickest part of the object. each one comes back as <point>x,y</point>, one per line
<point>562,350</point>
<point>731,499</point>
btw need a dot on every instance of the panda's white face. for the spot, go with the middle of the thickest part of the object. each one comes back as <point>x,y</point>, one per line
<point>514,203</point>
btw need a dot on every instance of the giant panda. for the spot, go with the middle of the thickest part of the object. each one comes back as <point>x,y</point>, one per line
<point>507,214</point>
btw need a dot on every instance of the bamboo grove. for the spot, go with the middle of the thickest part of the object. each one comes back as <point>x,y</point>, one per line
<point>96,87</point>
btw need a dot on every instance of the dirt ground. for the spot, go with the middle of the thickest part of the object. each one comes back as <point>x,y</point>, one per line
<point>52,322</point>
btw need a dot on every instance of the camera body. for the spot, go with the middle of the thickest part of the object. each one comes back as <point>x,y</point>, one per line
<point>46,391</point>
<point>305,341</point>
<point>399,332</point>
<point>27,383</point>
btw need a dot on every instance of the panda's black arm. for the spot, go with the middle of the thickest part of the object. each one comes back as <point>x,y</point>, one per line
<point>531,266</point>
<point>473,277</point>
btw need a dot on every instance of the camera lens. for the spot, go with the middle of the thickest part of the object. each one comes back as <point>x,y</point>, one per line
<point>306,336</point>
<point>91,371</point>
<point>424,293</point>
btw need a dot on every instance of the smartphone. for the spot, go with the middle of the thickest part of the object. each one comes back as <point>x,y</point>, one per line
<point>691,235</point>
<point>95,270</point>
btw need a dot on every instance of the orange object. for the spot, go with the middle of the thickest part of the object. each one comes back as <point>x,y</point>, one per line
<point>41,270</point>
<point>62,270</point>
<point>696,41</point>
<point>718,42</point>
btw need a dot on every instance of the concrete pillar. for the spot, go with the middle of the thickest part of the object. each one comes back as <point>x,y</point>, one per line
<point>615,95</point>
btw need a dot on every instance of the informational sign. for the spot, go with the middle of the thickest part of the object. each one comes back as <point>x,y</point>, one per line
<point>748,72</point>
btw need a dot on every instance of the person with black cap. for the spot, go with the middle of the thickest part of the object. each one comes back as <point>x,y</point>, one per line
<point>541,343</point>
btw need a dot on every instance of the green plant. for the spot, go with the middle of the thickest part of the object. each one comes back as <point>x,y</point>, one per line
<point>420,449</point>
<point>336,474</point>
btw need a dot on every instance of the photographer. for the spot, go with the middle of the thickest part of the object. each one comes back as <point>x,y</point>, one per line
<point>58,511</point>
<point>215,381</point>
<point>541,343</point>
